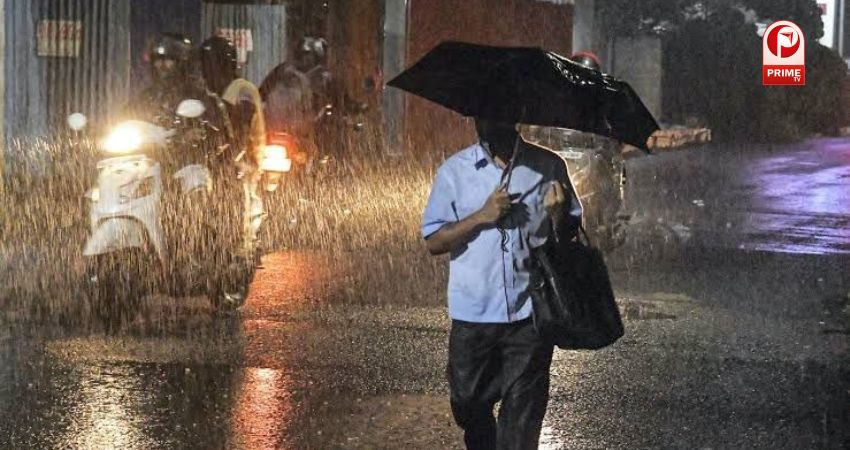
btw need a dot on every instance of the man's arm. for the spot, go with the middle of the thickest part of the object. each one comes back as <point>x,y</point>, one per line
<point>456,234</point>
<point>453,235</point>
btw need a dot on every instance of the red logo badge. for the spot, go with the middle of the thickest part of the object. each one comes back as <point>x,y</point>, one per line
<point>784,55</point>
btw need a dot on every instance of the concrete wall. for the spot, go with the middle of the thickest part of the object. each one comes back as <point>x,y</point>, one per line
<point>394,59</point>
<point>638,61</point>
<point>432,129</point>
<point>589,33</point>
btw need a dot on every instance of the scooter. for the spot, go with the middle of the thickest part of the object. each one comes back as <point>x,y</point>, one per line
<point>336,130</point>
<point>598,173</point>
<point>151,230</point>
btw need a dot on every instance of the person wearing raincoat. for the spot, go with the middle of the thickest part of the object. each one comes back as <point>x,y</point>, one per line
<point>488,228</point>
<point>245,109</point>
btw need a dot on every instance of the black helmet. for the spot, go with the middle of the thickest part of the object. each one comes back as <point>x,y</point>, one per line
<point>218,62</point>
<point>219,52</point>
<point>587,59</point>
<point>171,46</point>
<point>312,45</point>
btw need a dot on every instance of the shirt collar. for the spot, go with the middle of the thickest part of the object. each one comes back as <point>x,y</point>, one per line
<point>482,158</point>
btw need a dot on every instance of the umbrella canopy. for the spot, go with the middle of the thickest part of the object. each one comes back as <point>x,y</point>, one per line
<point>528,85</point>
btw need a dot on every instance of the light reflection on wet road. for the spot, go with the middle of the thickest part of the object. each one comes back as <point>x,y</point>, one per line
<point>790,199</point>
<point>803,196</point>
<point>263,408</point>
<point>225,385</point>
<point>105,410</point>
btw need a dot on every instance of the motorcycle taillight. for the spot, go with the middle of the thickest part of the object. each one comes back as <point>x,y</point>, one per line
<point>283,139</point>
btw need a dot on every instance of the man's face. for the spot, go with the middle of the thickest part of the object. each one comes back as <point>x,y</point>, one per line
<point>501,136</point>
<point>164,68</point>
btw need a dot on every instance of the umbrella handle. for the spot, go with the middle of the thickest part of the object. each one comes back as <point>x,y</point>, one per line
<point>516,150</point>
<point>510,169</point>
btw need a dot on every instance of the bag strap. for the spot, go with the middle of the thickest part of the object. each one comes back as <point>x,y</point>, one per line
<point>584,232</point>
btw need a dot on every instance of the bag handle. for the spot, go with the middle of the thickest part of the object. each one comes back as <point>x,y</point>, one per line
<point>582,231</point>
<point>586,237</point>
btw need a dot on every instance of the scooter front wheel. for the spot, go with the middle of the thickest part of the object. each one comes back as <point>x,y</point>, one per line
<point>115,288</point>
<point>230,289</point>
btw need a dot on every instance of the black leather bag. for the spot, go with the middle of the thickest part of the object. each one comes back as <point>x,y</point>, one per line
<point>573,303</point>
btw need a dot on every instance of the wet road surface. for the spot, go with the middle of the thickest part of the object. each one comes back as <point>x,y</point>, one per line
<point>281,374</point>
<point>783,198</point>
<point>689,374</point>
<point>726,347</point>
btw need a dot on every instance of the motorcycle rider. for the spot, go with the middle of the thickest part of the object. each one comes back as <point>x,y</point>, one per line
<point>172,81</point>
<point>298,94</point>
<point>242,99</point>
<point>183,215</point>
<point>596,169</point>
<point>220,70</point>
<point>289,110</point>
<point>310,60</point>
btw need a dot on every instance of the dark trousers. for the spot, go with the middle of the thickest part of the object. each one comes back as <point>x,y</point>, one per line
<point>492,362</point>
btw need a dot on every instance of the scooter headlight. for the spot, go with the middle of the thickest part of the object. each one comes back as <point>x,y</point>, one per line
<point>124,138</point>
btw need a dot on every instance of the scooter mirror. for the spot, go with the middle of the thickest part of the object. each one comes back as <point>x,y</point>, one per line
<point>191,109</point>
<point>77,121</point>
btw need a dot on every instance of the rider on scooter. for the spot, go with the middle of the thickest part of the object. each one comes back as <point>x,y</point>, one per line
<point>296,95</point>
<point>311,55</point>
<point>172,81</point>
<point>245,109</point>
<point>242,99</point>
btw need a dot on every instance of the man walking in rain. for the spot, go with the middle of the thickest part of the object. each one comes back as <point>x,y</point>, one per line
<point>488,217</point>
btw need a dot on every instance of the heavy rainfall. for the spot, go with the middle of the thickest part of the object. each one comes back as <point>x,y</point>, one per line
<point>244,267</point>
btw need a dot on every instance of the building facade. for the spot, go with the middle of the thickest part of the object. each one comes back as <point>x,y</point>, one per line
<point>64,56</point>
<point>546,24</point>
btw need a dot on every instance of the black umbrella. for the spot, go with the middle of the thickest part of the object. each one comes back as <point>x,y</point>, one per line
<point>528,85</point>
